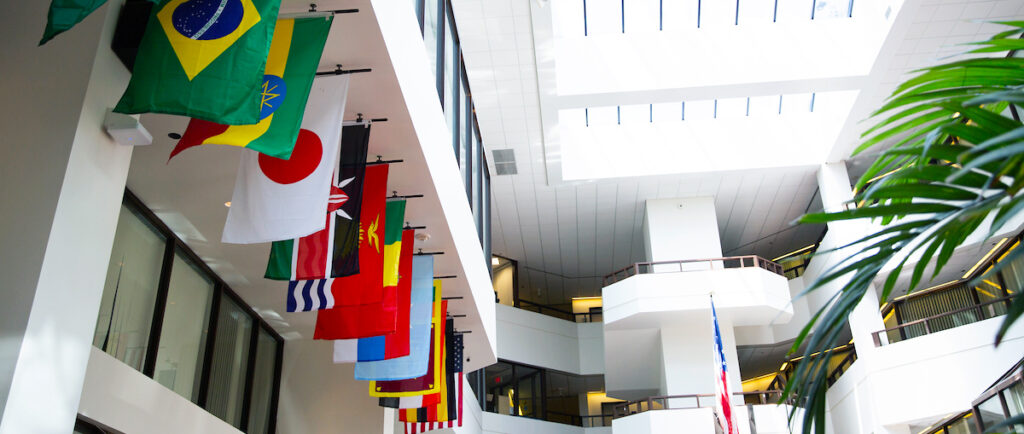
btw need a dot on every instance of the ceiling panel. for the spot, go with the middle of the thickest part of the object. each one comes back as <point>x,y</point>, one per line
<point>594,228</point>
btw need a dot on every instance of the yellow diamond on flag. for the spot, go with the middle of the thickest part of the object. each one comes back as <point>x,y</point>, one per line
<point>201,30</point>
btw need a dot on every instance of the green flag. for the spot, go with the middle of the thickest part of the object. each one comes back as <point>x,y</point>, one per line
<point>64,14</point>
<point>291,66</point>
<point>204,59</point>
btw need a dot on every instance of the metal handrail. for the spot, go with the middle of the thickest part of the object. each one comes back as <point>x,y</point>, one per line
<point>749,261</point>
<point>927,329</point>
<point>578,317</point>
<point>664,402</point>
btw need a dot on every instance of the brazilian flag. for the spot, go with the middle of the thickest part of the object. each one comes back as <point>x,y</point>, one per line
<point>291,65</point>
<point>64,14</point>
<point>204,59</point>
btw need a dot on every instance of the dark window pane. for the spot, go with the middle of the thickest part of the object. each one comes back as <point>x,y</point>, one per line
<point>183,334</point>
<point>129,295</point>
<point>230,360</point>
<point>262,383</point>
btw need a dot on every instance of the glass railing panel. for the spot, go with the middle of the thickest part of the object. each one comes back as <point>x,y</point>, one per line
<point>990,411</point>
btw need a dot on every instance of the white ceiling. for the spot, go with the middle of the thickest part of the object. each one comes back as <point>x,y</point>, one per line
<point>189,192</point>
<point>566,236</point>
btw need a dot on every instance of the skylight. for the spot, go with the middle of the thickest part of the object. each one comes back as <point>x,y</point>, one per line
<point>701,136</point>
<point>603,46</point>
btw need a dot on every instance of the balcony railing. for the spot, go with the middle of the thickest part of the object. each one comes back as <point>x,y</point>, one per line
<point>943,321</point>
<point>839,361</point>
<point>693,265</point>
<point>682,402</point>
<point>593,316</point>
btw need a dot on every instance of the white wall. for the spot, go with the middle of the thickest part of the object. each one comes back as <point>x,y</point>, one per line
<point>681,229</point>
<point>779,329</point>
<point>633,368</point>
<point>750,296</point>
<point>319,396</point>
<point>504,424</point>
<point>63,182</point>
<point>540,340</point>
<point>923,379</point>
<point>769,419</point>
<point>119,397</point>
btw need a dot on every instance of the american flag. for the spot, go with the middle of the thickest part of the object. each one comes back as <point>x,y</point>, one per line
<point>422,427</point>
<point>723,407</point>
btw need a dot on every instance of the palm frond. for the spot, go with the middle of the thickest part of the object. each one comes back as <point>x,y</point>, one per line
<point>955,157</point>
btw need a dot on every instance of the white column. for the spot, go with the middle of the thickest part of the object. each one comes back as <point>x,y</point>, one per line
<point>688,358</point>
<point>834,185</point>
<point>64,179</point>
<point>677,229</point>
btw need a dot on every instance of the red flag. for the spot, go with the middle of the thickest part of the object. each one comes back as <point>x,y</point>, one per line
<point>367,286</point>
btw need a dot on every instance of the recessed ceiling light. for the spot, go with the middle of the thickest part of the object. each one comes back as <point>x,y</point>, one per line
<point>495,261</point>
<point>227,204</point>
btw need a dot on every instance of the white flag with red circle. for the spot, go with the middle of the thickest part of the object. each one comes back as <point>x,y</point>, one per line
<point>277,199</point>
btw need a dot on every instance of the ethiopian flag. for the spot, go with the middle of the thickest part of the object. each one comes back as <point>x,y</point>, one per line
<point>291,65</point>
<point>204,59</point>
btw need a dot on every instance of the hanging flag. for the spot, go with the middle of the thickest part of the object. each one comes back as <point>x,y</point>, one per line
<point>368,286</point>
<point>204,59</point>
<point>372,319</point>
<point>277,199</point>
<point>391,345</point>
<point>64,14</point>
<point>454,392</point>
<point>311,257</point>
<point>430,383</point>
<point>291,65</point>
<point>309,295</point>
<point>723,406</point>
<point>421,313</point>
<point>355,141</point>
<point>445,409</point>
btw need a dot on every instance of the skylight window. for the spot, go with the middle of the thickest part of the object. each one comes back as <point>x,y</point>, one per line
<point>716,135</point>
<point>639,45</point>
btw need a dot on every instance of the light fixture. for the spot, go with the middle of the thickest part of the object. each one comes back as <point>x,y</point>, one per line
<point>227,204</point>
<point>495,261</point>
<point>985,259</point>
<point>794,252</point>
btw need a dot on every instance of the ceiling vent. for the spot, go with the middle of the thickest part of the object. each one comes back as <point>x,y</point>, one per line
<point>505,162</point>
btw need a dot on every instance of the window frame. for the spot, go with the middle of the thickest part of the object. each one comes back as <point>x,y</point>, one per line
<point>175,245</point>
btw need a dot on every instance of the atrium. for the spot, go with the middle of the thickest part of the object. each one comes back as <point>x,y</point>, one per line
<point>542,216</point>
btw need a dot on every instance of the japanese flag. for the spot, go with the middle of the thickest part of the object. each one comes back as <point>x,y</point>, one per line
<point>277,199</point>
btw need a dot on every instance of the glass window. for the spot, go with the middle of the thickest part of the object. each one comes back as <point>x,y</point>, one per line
<point>230,360</point>
<point>430,29</point>
<point>262,383</point>
<point>477,201</point>
<point>129,294</point>
<point>991,411</point>
<point>1013,273</point>
<point>464,144</point>
<point>486,207</point>
<point>179,357</point>
<point>451,95</point>
<point>1015,399</point>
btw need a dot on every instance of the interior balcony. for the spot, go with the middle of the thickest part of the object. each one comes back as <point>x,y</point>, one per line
<point>749,290</point>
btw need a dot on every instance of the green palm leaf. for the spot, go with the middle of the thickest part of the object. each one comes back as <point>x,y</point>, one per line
<point>954,156</point>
